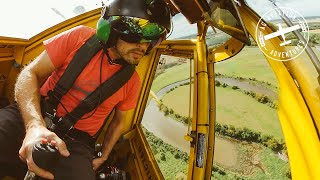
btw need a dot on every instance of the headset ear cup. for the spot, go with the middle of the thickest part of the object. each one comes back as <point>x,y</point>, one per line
<point>103,30</point>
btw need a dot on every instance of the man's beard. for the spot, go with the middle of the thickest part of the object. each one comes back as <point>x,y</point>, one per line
<point>131,60</point>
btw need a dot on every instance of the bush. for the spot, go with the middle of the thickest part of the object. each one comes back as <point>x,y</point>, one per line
<point>235,87</point>
<point>186,158</point>
<point>288,173</point>
<point>185,119</point>
<point>246,92</point>
<point>177,155</point>
<point>217,83</point>
<point>166,111</point>
<point>262,98</point>
<point>252,94</point>
<point>177,115</point>
<point>154,150</point>
<point>161,106</point>
<point>163,157</point>
<point>219,170</point>
<point>273,144</point>
<point>314,39</point>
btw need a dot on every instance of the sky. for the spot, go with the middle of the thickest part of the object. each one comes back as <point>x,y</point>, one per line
<point>25,18</point>
<point>304,7</point>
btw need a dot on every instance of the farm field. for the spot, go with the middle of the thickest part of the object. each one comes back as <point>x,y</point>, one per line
<point>234,108</point>
<point>249,63</point>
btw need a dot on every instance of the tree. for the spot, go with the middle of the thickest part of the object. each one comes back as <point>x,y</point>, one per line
<point>177,155</point>
<point>163,157</point>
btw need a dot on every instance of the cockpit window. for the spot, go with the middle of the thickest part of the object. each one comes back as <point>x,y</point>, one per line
<point>226,17</point>
<point>305,16</point>
<point>25,19</point>
<point>182,29</point>
<point>306,7</point>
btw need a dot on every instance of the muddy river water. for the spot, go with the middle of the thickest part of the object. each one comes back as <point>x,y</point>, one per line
<point>172,132</point>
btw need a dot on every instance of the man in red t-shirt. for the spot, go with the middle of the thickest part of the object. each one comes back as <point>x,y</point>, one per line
<point>126,34</point>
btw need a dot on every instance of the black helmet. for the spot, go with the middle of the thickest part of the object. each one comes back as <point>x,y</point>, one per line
<point>134,21</point>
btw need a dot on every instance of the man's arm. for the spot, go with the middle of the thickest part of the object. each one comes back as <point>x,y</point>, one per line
<point>27,96</point>
<point>27,92</point>
<point>113,133</point>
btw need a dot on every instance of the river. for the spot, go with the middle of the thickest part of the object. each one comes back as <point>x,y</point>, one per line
<point>172,132</point>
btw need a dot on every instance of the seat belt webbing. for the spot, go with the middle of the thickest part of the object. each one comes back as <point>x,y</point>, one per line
<point>75,67</point>
<point>93,100</point>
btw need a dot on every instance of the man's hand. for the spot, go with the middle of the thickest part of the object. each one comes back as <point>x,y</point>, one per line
<point>97,162</point>
<point>33,136</point>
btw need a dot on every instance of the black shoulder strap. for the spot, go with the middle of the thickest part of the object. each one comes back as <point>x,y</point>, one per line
<point>108,88</point>
<point>73,70</point>
<point>95,98</point>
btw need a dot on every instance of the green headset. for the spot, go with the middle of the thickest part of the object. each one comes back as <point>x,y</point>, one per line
<point>121,13</point>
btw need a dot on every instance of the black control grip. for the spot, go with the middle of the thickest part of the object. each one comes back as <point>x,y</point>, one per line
<point>44,155</point>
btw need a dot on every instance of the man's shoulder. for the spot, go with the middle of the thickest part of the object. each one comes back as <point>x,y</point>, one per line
<point>76,34</point>
<point>136,78</point>
<point>80,34</point>
<point>83,30</point>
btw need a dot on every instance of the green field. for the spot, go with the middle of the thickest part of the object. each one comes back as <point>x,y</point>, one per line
<point>249,63</point>
<point>171,75</point>
<point>255,162</point>
<point>180,166</point>
<point>178,100</point>
<point>233,108</point>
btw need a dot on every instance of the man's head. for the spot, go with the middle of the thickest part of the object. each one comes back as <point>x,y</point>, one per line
<point>130,52</point>
<point>133,28</point>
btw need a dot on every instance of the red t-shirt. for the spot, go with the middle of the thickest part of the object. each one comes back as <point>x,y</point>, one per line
<point>61,50</point>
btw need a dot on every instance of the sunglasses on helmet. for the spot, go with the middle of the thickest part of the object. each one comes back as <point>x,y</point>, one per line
<point>138,30</point>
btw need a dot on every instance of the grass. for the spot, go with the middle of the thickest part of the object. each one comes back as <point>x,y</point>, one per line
<point>269,167</point>
<point>233,108</point>
<point>171,167</point>
<point>275,167</point>
<point>172,75</point>
<point>178,100</point>
<point>249,63</point>
<point>165,154</point>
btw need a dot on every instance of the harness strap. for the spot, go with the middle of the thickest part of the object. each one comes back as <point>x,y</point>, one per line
<point>75,67</point>
<point>109,87</point>
<point>62,125</point>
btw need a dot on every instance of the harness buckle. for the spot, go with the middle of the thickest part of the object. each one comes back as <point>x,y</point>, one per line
<point>52,119</point>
